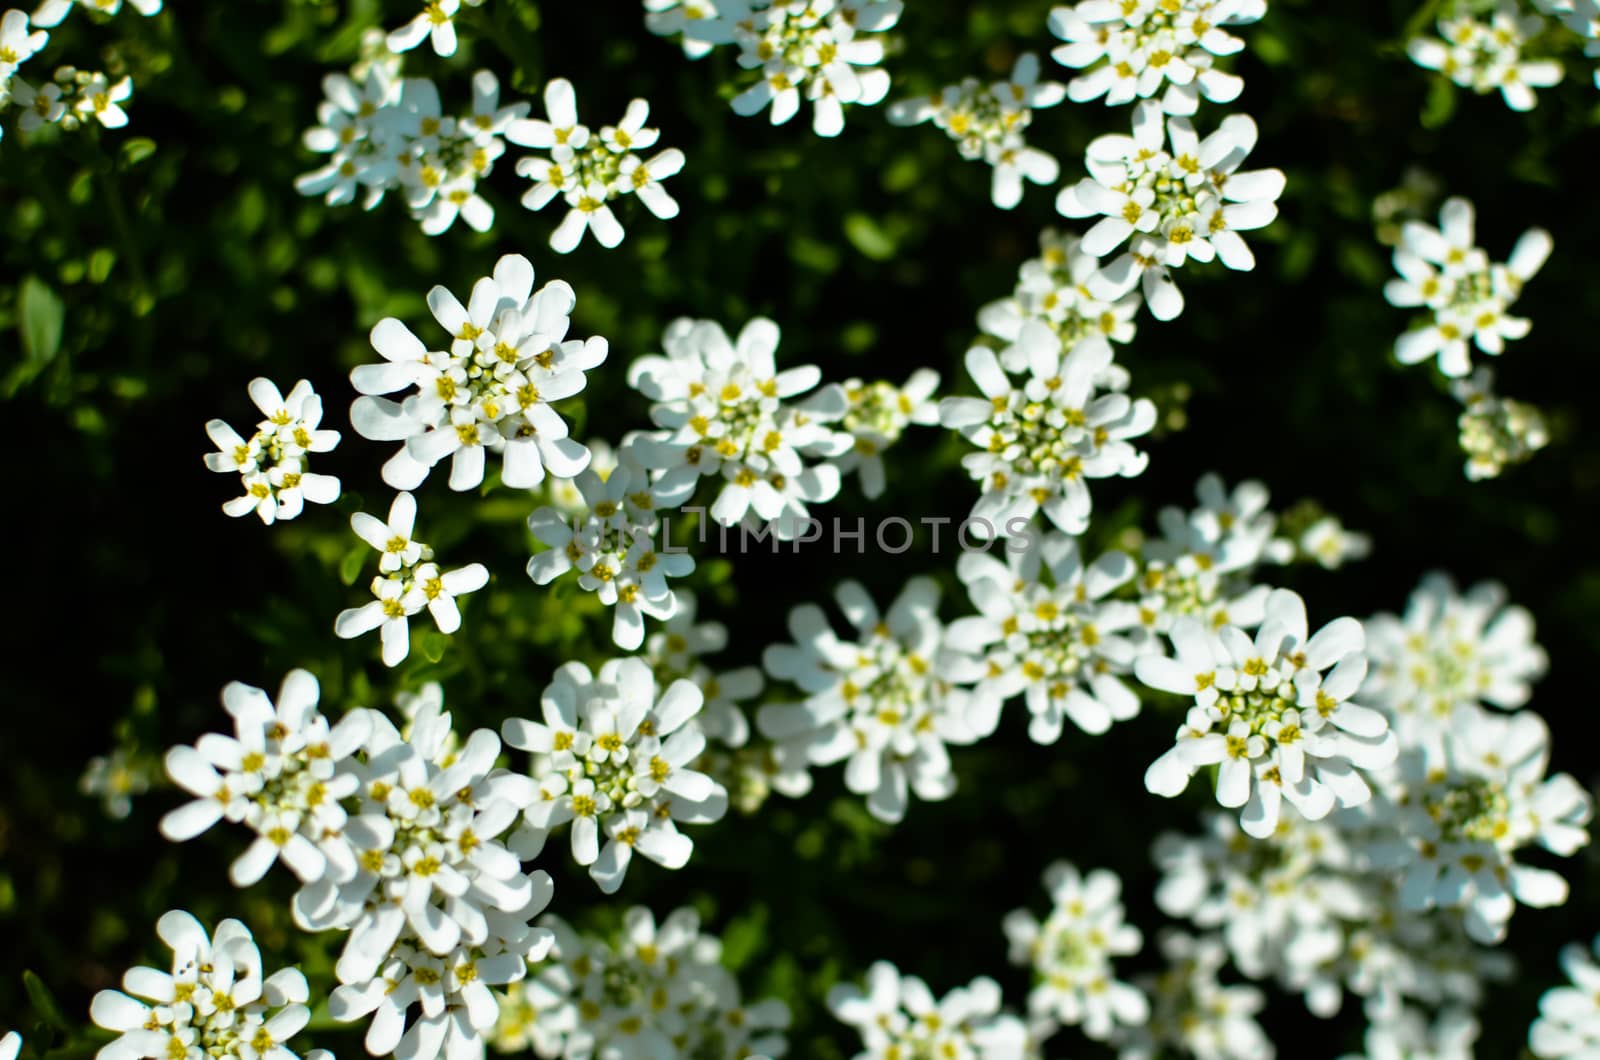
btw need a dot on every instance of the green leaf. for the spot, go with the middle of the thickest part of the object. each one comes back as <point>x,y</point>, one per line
<point>137,150</point>
<point>867,236</point>
<point>1440,105</point>
<point>350,566</point>
<point>434,645</point>
<point>44,1003</point>
<point>39,317</point>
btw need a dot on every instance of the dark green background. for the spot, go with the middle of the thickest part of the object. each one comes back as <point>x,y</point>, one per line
<point>132,599</point>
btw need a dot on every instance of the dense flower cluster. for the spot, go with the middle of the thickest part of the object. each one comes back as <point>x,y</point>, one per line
<point>886,702</point>
<point>877,414</point>
<point>1071,951</point>
<point>1496,432</point>
<point>1487,54</point>
<point>649,990</point>
<point>491,390</point>
<point>1129,51</point>
<point>988,123</point>
<point>899,1016</point>
<point>589,170</point>
<point>383,132</point>
<point>1170,206</point>
<point>1042,437</point>
<point>1467,296</point>
<point>613,755</point>
<point>1569,1016</point>
<point>1053,288</point>
<point>214,1002</point>
<point>407,582</point>
<point>272,463</point>
<point>722,411</point>
<point>1193,1012</point>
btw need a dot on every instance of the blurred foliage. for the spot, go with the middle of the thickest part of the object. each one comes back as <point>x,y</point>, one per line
<point>150,273</point>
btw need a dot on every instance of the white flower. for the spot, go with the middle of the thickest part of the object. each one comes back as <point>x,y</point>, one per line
<point>1441,270</point>
<point>827,51</point>
<point>1569,1016</point>
<point>1330,545</point>
<point>877,416</point>
<point>617,545</point>
<point>723,411</point>
<point>1170,206</point>
<point>51,12</point>
<point>1496,432</point>
<point>1129,51</point>
<point>1267,714</point>
<point>100,98</point>
<point>272,462</point>
<point>609,755</point>
<point>214,1002</point>
<point>1053,288</point>
<point>10,1045</point>
<point>987,123</point>
<point>381,133</point>
<point>17,42</point>
<point>1465,803</point>
<point>1193,1013</point>
<point>116,778</point>
<point>1485,55</point>
<point>1203,563</point>
<point>1448,653</point>
<point>1045,630</point>
<point>1407,1035</point>
<point>898,1016</point>
<point>883,702</point>
<point>491,391</point>
<point>39,106</point>
<point>1041,439</point>
<point>282,775</point>
<point>699,24</point>
<point>1070,952</point>
<point>435,24</point>
<point>678,1000</point>
<point>590,170</point>
<point>408,582</point>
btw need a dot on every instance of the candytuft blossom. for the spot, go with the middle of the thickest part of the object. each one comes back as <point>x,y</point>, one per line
<point>272,462</point>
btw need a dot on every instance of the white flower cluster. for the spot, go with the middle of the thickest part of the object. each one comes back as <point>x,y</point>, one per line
<point>589,170</point>
<point>1569,1016</point>
<point>898,1016</point>
<point>1053,288</point>
<point>407,581</point>
<point>272,463</point>
<point>722,410</point>
<point>1273,712</point>
<point>614,754</point>
<point>886,702</point>
<point>435,23</point>
<point>1071,952</point>
<point>1170,206</point>
<point>651,990</point>
<point>1041,438</point>
<point>1192,1012</point>
<point>988,123</point>
<point>395,840</point>
<point>613,545</point>
<point>1450,654</point>
<point>383,132</point>
<point>491,390</point>
<point>72,98</point>
<point>1467,296</point>
<point>215,1001</point>
<point>1496,432</point>
<point>1047,630</point>
<point>877,415</point>
<point>1130,50</point>
<point>1487,54</point>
